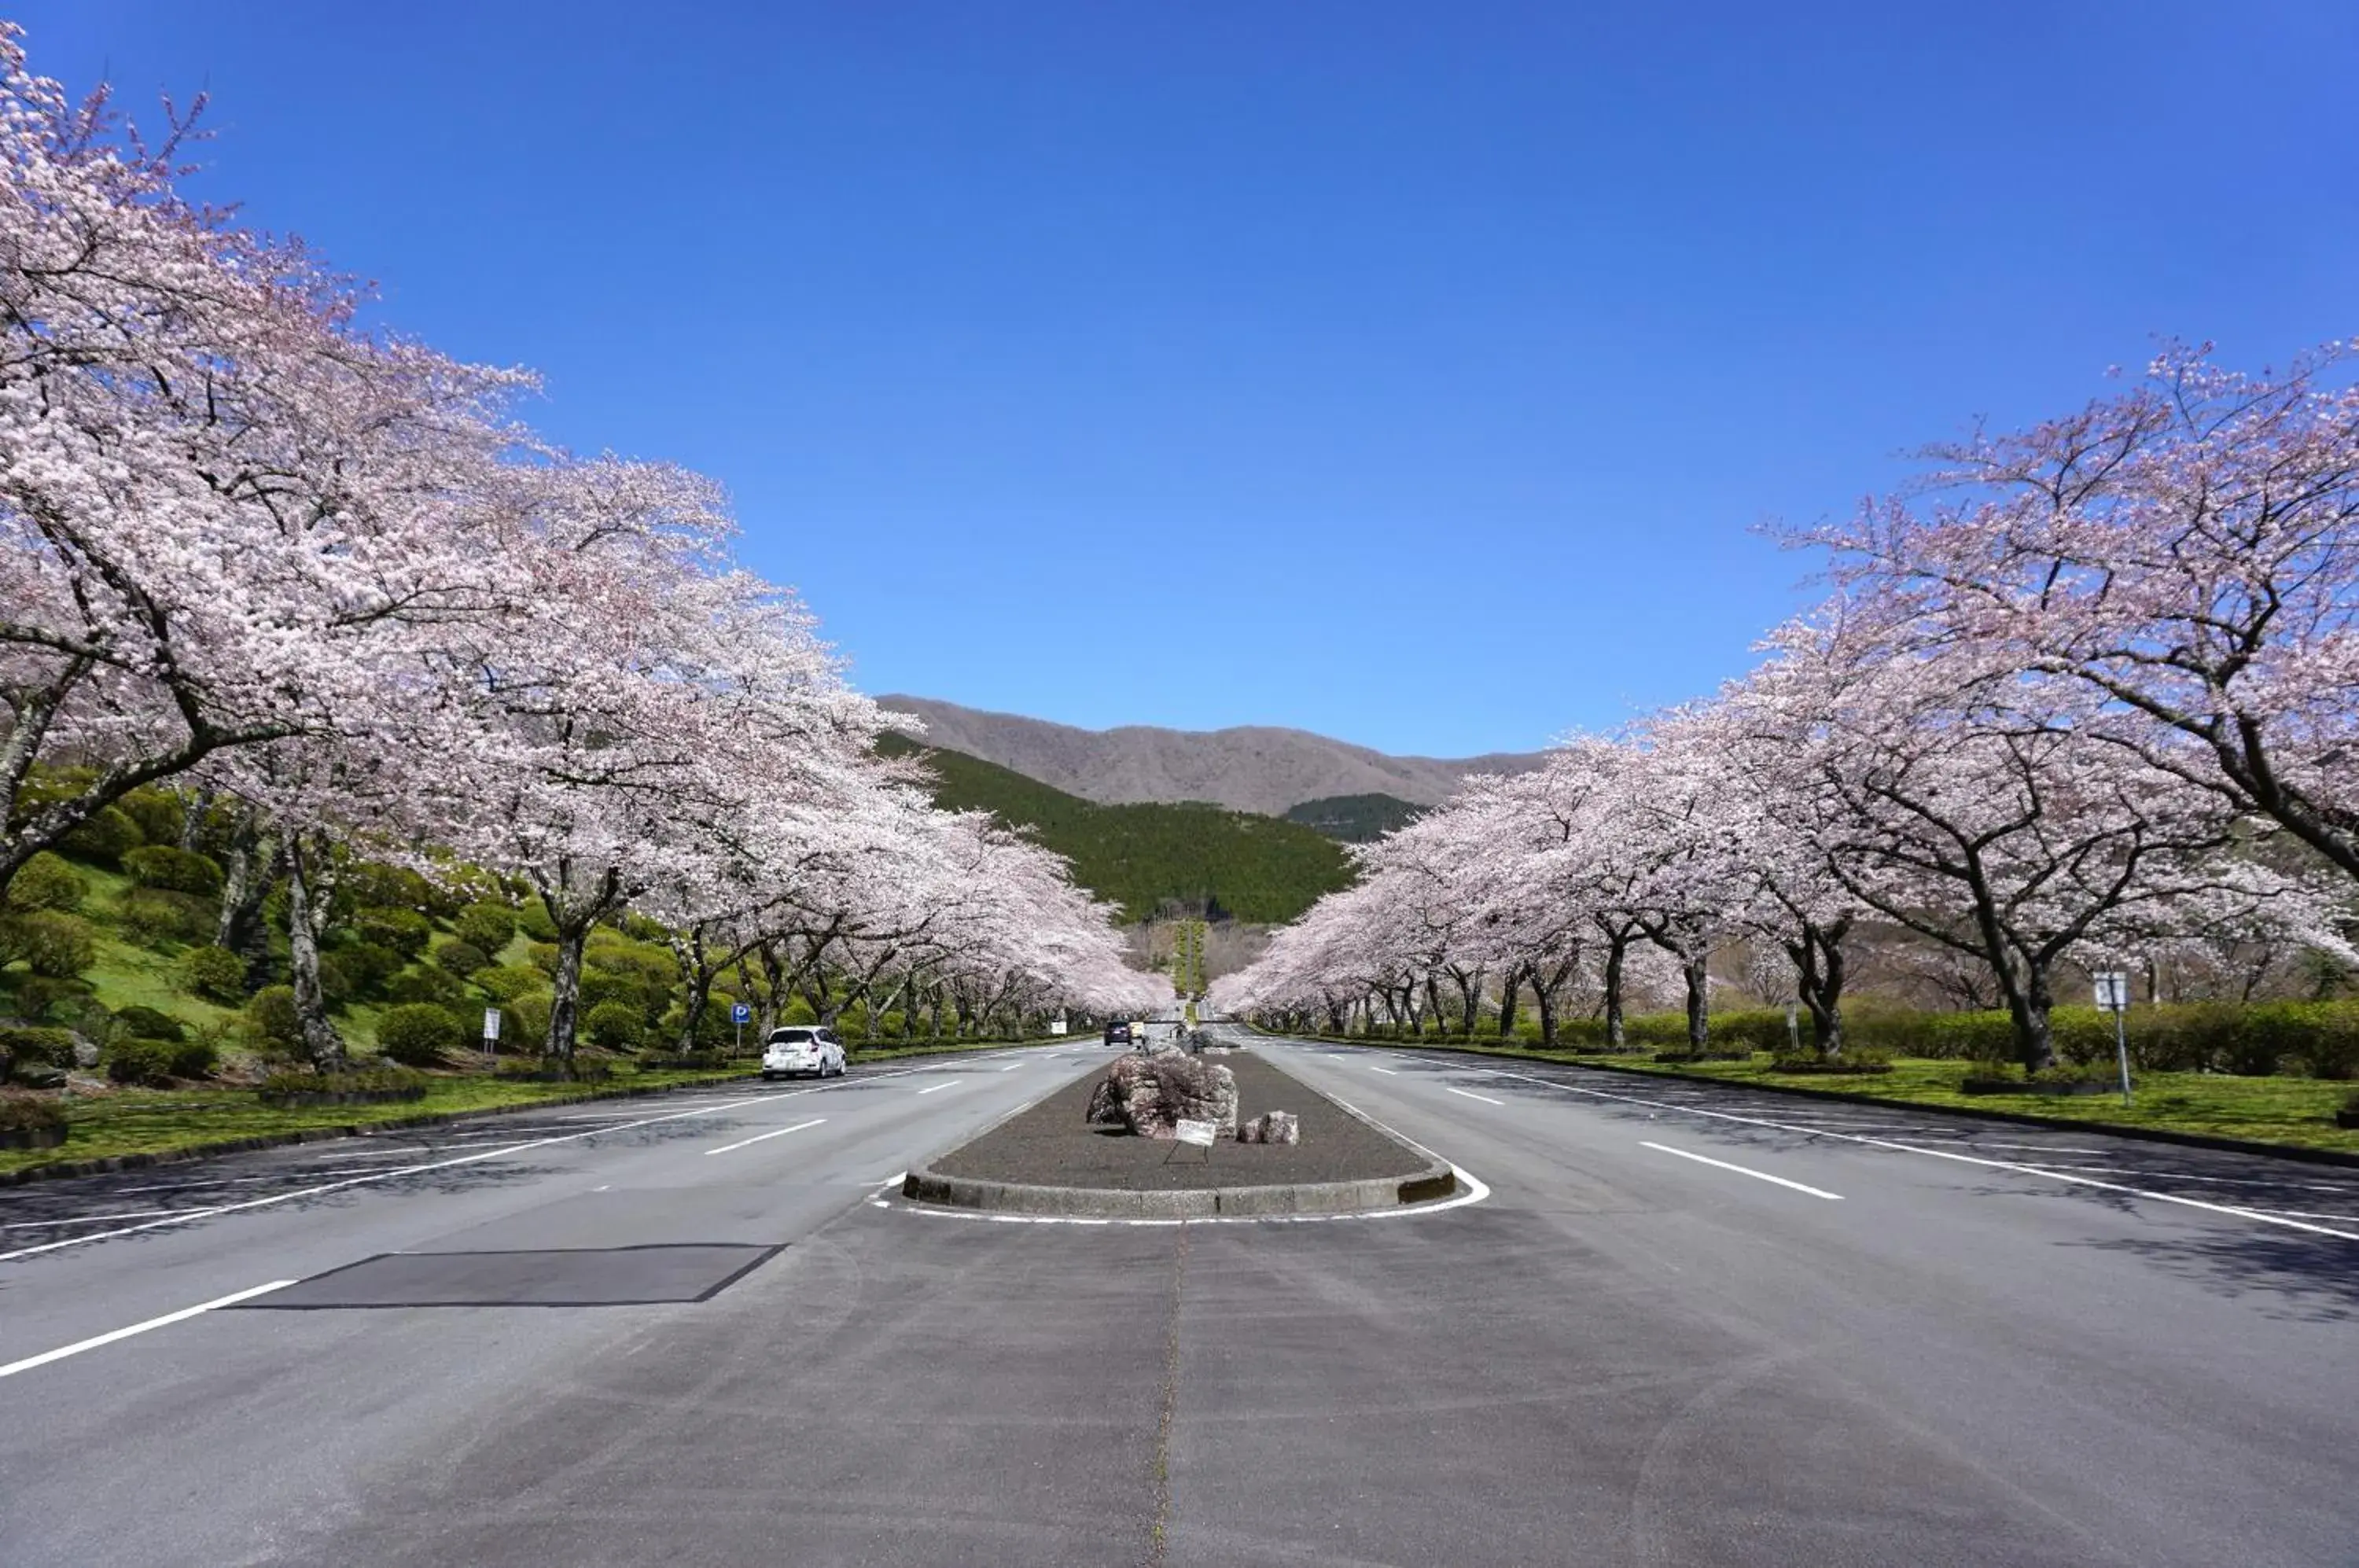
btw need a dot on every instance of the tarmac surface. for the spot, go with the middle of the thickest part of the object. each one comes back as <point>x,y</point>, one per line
<point>1683,1326</point>
<point>1050,1144</point>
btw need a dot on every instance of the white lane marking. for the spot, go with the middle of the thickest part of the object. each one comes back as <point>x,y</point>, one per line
<point>85,1219</point>
<point>1011,1067</point>
<point>1741,1169</point>
<point>766,1137</point>
<point>78,1346</point>
<point>186,1215</point>
<point>1385,1071</point>
<point>2228,1180</point>
<point>1473,1095</point>
<point>2053,1175</point>
<point>951,1084</point>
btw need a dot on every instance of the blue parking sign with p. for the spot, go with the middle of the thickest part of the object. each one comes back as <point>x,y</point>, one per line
<point>741,1014</point>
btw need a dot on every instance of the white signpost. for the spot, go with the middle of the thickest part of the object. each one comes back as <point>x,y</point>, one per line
<point>2114,996</point>
<point>490,1031</point>
<point>1200,1134</point>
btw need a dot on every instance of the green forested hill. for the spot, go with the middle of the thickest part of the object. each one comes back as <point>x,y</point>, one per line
<point>1250,867</point>
<point>1355,818</point>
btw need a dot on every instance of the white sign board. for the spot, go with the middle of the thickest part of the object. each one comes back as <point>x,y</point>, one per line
<point>1056,1026</point>
<point>491,1024</point>
<point>1201,1134</point>
<point>2113,991</point>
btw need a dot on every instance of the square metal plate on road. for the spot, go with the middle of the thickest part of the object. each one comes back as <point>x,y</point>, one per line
<point>604,1277</point>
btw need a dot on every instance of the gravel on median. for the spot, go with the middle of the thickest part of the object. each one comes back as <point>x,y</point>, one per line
<point>1050,1146</point>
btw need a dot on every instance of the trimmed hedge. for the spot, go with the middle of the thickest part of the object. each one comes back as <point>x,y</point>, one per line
<point>215,973</point>
<point>416,1034</point>
<point>172,869</point>
<point>51,943</point>
<point>47,882</point>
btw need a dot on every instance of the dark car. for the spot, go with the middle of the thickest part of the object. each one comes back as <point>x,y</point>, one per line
<point>1117,1034</point>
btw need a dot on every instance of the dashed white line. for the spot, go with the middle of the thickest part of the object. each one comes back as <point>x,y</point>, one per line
<point>766,1137</point>
<point>29,1363</point>
<point>1741,1170</point>
<point>1011,1067</point>
<point>947,1084</point>
<point>1473,1095</point>
<point>1385,1071</point>
<point>2051,1174</point>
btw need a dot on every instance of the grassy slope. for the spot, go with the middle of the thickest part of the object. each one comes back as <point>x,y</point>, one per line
<point>2298,1111</point>
<point>1256,868</point>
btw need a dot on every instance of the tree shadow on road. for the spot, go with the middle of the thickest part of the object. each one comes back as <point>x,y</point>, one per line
<point>2301,1278</point>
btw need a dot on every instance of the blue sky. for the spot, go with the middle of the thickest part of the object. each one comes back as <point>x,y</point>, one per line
<point>1411,372</point>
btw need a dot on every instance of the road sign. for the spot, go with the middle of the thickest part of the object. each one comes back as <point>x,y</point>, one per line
<point>491,1026</point>
<point>2113,990</point>
<point>741,1014</point>
<point>1201,1134</point>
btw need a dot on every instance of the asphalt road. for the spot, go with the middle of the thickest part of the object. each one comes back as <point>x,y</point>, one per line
<point>1681,1326</point>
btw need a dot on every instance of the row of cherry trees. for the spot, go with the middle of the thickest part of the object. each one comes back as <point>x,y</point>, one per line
<point>250,546</point>
<point>2087,694</point>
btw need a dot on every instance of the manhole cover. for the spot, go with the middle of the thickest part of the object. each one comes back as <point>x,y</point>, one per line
<point>604,1276</point>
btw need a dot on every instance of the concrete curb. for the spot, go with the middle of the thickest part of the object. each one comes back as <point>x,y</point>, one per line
<point>62,1170</point>
<point>927,1186</point>
<point>2293,1152</point>
<point>1436,1179</point>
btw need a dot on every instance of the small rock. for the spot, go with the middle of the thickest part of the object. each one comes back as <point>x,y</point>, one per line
<point>1272,1126</point>
<point>85,1052</point>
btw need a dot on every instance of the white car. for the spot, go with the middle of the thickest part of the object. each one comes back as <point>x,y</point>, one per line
<point>794,1050</point>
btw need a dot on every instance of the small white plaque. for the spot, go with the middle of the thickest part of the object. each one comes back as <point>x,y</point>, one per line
<point>1201,1134</point>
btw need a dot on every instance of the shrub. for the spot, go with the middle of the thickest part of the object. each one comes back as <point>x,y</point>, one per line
<point>542,955</point>
<point>30,1046</point>
<point>29,1112</point>
<point>49,943</point>
<point>146,1023</point>
<point>193,1058</point>
<point>106,836</point>
<point>153,916</point>
<point>405,932</point>
<point>416,1034</point>
<point>461,957</point>
<point>357,1080</point>
<point>614,1026</point>
<point>532,919</point>
<point>639,928</point>
<point>215,973</point>
<point>37,999</point>
<point>599,986</point>
<point>172,869</point>
<point>47,882</point>
<point>135,1060</point>
<point>525,1026</point>
<point>270,1019</point>
<point>796,1011</point>
<point>506,983</point>
<point>424,983</point>
<point>488,927</point>
<point>157,813</point>
<point>362,969</point>
<point>367,884</point>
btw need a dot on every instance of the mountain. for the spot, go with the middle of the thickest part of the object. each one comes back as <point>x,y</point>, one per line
<point>1248,768</point>
<point>1138,855</point>
<point>1355,818</point>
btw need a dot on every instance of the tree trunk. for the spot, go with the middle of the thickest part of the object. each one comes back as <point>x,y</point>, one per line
<point>194,803</point>
<point>1470,1000</point>
<point>565,997</point>
<point>2028,1004</point>
<point>1510,998</point>
<point>1544,998</point>
<point>1819,972</point>
<point>1692,969</point>
<point>309,887</point>
<point>1617,948</point>
<point>696,974</point>
<point>245,884</point>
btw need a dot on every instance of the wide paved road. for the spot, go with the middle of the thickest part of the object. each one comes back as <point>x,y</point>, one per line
<point>1685,1325</point>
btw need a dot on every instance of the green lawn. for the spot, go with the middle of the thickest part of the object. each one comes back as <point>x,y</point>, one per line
<point>2296,1111</point>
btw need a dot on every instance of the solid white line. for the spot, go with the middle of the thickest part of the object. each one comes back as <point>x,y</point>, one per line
<point>765,1136</point>
<point>85,1219</point>
<point>76,1348</point>
<point>947,1084</point>
<point>1473,1095</point>
<point>1741,1170</point>
<point>186,1215</point>
<point>2052,1175</point>
<point>1385,1071</point>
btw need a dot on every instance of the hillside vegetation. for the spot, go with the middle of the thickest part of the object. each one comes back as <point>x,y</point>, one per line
<point>1355,818</point>
<point>1245,867</point>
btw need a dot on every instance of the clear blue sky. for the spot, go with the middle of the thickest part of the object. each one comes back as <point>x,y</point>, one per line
<point>1412,373</point>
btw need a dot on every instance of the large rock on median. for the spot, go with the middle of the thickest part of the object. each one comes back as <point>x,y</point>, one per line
<point>1271,1126</point>
<point>1152,1093</point>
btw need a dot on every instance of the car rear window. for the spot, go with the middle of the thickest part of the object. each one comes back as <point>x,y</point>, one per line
<point>791,1036</point>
